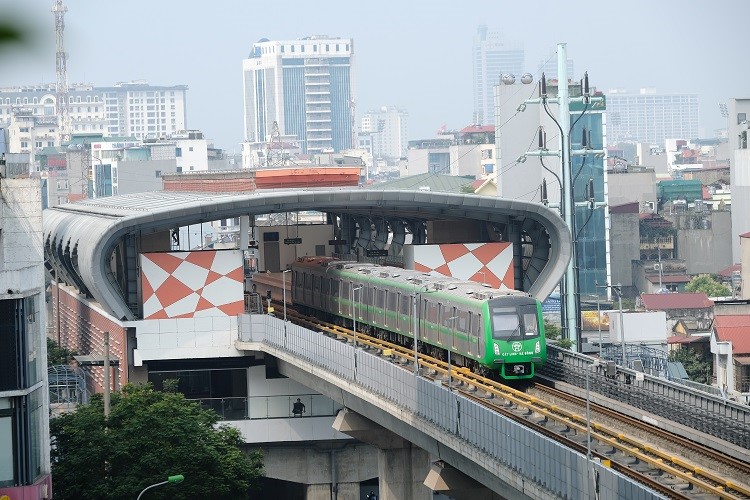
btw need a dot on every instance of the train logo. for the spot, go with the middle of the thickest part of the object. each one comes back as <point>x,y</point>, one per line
<point>517,346</point>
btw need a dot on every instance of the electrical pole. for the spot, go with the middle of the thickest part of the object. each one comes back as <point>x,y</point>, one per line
<point>570,280</point>
<point>61,57</point>
<point>570,310</point>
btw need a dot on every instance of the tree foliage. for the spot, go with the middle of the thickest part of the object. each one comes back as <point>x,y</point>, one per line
<point>551,330</point>
<point>57,355</point>
<point>149,435</point>
<point>709,285</point>
<point>697,367</point>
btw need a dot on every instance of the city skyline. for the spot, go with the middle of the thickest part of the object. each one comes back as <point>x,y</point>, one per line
<point>426,72</point>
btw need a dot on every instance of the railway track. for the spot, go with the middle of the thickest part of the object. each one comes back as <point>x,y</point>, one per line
<point>665,462</point>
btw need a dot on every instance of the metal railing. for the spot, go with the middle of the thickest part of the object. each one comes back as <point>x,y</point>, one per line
<point>265,407</point>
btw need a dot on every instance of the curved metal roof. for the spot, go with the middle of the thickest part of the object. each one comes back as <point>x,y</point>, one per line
<point>80,237</point>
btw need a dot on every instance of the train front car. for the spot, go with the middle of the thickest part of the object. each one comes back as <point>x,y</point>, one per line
<point>515,331</point>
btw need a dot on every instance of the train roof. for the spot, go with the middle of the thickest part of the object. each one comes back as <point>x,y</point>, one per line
<point>405,278</point>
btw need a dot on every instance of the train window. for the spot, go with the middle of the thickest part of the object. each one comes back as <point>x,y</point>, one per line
<point>463,322</point>
<point>530,321</point>
<point>405,304</point>
<point>448,319</point>
<point>505,323</point>
<point>432,312</point>
<point>380,298</point>
<point>392,301</point>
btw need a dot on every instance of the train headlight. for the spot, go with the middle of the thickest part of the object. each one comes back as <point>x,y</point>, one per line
<point>537,347</point>
<point>497,350</point>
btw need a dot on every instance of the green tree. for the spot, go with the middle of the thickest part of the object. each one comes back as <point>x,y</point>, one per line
<point>697,367</point>
<point>551,330</point>
<point>57,355</point>
<point>709,285</point>
<point>149,435</point>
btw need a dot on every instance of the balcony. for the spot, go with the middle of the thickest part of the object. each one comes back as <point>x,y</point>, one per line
<point>662,242</point>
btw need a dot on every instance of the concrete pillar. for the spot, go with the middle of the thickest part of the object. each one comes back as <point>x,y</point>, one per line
<point>445,479</point>
<point>402,467</point>
<point>401,474</point>
<point>244,232</point>
<point>318,492</point>
<point>344,491</point>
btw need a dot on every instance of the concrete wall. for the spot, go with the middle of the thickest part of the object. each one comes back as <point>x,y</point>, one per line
<point>312,235</point>
<point>632,186</point>
<point>745,272</point>
<point>21,236</point>
<point>707,250</point>
<point>740,198</point>
<point>141,176</point>
<point>625,247</point>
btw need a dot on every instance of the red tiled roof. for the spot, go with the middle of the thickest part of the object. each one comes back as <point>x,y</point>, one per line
<point>665,301</point>
<point>745,235</point>
<point>669,278</point>
<point>727,273</point>
<point>736,329</point>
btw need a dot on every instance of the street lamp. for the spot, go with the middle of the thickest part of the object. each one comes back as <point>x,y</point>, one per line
<point>593,366</point>
<point>354,321</point>
<point>354,325</point>
<point>453,334</point>
<point>170,480</point>
<point>599,313</point>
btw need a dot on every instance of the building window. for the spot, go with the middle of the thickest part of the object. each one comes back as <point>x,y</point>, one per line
<point>158,173</point>
<point>178,152</point>
<point>190,148</point>
<point>179,170</point>
<point>741,117</point>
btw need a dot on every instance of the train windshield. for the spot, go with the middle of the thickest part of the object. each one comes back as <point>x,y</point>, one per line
<point>515,322</point>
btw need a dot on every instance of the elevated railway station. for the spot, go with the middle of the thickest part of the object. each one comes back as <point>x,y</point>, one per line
<point>302,396</point>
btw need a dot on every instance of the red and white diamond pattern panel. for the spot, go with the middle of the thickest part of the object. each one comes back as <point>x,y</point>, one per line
<point>490,263</point>
<point>191,284</point>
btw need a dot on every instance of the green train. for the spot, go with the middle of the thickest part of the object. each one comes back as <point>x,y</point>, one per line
<point>496,333</point>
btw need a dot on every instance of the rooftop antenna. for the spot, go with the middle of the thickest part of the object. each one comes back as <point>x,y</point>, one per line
<point>63,110</point>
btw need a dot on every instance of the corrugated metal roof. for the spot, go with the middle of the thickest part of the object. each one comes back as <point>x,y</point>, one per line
<point>734,328</point>
<point>665,301</point>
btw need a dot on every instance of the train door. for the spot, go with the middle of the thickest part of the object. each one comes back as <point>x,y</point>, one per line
<point>379,309</point>
<point>449,322</point>
<point>391,310</point>
<point>317,294</point>
<point>404,313</point>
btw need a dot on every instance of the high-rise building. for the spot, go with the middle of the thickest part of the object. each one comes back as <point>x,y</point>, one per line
<point>388,128</point>
<point>134,109</point>
<point>524,180</point>
<point>493,56</point>
<point>305,87</point>
<point>651,117</point>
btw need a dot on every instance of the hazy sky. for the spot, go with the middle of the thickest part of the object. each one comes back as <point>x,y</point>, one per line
<point>410,53</point>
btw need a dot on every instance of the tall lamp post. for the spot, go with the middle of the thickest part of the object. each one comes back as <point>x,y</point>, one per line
<point>170,480</point>
<point>453,334</point>
<point>354,325</point>
<point>618,290</point>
